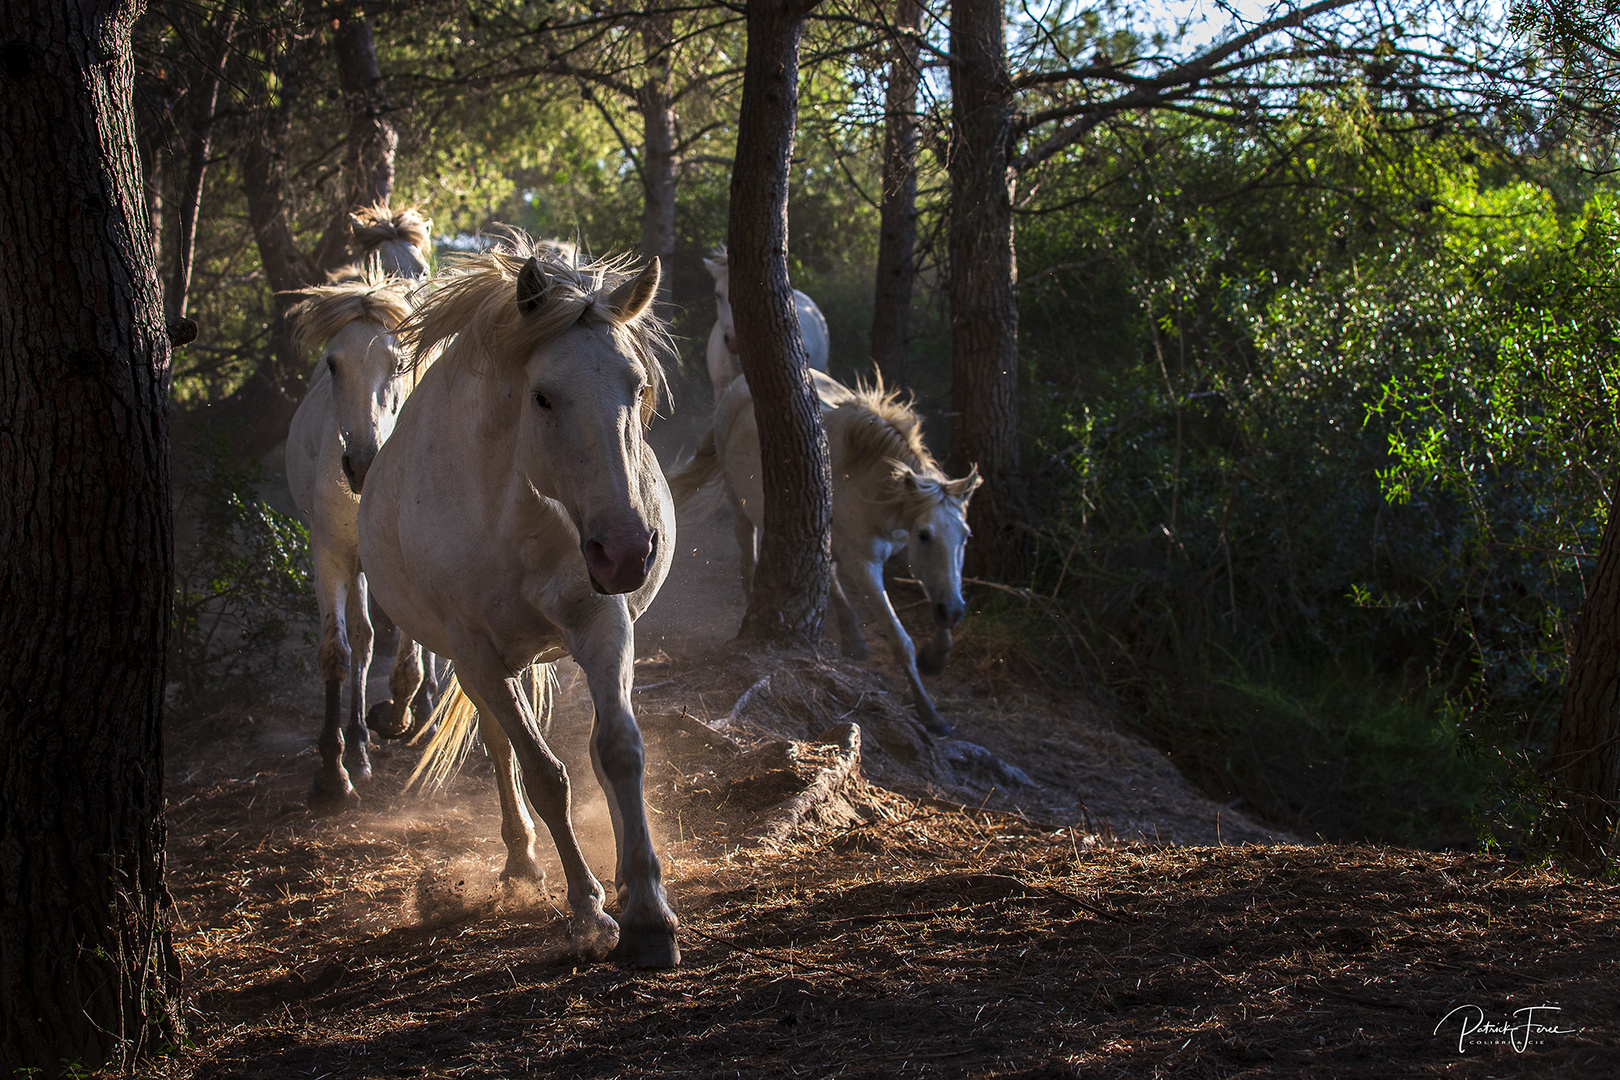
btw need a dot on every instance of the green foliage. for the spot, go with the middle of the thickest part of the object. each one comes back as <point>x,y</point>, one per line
<point>242,577</point>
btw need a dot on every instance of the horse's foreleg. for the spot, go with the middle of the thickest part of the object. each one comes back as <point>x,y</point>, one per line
<point>356,754</point>
<point>605,650</point>
<point>544,779</point>
<point>517,825</point>
<point>867,576</point>
<point>332,790</point>
<point>850,639</point>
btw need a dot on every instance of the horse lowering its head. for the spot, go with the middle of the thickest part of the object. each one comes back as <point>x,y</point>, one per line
<point>356,320</point>
<point>400,240</point>
<point>578,346</point>
<point>880,450</point>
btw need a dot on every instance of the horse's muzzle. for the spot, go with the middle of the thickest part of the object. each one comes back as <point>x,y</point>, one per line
<point>949,615</point>
<point>620,562</point>
<point>356,472</point>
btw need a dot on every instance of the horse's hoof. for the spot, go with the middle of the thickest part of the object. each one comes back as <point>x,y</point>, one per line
<point>326,802</point>
<point>646,949</point>
<point>380,720</point>
<point>936,725</point>
<point>359,769</point>
<point>595,936</point>
<point>856,652</point>
<point>522,869</point>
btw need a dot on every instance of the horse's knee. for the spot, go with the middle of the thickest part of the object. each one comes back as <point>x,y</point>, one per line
<point>619,751</point>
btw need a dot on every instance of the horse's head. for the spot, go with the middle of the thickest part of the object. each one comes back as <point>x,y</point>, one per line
<point>399,241</point>
<point>938,539</point>
<point>365,361</point>
<point>590,391</point>
<point>721,272</point>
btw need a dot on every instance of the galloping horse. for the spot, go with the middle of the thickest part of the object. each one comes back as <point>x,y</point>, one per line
<point>888,494</point>
<point>518,515</point>
<point>399,239</point>
<point>724,363</point>
<point>359,385</point>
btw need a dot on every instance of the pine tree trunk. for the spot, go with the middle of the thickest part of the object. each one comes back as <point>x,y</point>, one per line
<point>368,170</point>
<point>202,146</point>
<point>897,229</point>
<point>87,975</point>
<point>982,288</point>
<point>1585,761</point>
<point>659,158</point>
<point>795,566</point>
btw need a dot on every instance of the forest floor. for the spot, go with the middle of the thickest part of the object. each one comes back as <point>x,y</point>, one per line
<point>1038,896</point>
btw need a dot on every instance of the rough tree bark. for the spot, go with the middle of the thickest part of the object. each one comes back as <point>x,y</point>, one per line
<point>659,156</point>
<point>202,146</point>
<point>1585,761</point>
<point>982,288</point>
<point>87,975</point>
<point>791,580</point>
<point>368,168</point>
<point>897,230</point>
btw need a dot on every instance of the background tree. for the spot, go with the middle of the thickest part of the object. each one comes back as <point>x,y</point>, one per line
<point>789,596</point>
<point>897,229</point>
<point>87,975</point>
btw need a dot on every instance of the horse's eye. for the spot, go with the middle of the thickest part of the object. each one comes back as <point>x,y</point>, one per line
<point>541,400</point>
<point>925,535</point>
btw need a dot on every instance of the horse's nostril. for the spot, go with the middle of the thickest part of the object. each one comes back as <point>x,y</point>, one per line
<point>652,554</point>
<point>941,613</point>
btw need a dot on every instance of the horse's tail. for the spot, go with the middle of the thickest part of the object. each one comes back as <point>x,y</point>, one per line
<point>457,720</point>
<point>697,474</point>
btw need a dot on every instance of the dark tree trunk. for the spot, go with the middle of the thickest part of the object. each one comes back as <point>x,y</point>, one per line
<point>897,230</point>
<point>791,581</point>
<point>257,415</point>
<point>1585,761</point>
<point>658,152</point>
<point>368,170</point>
<point>983,288</point>
<point>87,975</point>
<point>202,145</point>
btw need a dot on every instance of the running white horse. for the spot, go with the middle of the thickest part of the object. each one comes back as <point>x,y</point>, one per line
<point>400,240</point>
<point>359,384</point>
<point>724,362</point>
<point>888,494</point>
<point>518,515</point>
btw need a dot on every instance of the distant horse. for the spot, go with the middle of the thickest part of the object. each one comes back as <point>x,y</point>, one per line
<point>400,240</point>
<point>888,494</point>
<point>359,385</point>
<point>518,515</point>
<point>724,363</point>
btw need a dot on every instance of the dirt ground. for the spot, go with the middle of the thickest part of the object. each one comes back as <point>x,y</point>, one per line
<point>1040,895</point>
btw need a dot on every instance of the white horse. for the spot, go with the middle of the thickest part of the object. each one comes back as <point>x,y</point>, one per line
<point>359,385</point>
<point>400,240</point>
<point>518,515</point>
<point>724,363</point>
<point>888,494</point>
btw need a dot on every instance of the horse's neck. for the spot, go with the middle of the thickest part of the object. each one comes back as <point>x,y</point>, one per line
<point>869,493</point>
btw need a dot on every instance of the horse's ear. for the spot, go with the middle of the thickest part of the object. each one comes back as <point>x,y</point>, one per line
<point>714,267</point>
<point>531,286</point>
<point>964,488</point>
<point>633,297</point>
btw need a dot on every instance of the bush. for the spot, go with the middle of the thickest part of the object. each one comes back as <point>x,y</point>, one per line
<point>242,577</point>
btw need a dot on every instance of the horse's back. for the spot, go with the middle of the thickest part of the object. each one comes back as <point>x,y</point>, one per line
<point>813,328</point>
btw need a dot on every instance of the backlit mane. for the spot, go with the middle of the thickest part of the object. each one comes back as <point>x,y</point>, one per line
<point>474,301</point>
<point>883,432</point>
<point>375,225</point>
<point>327,309</point>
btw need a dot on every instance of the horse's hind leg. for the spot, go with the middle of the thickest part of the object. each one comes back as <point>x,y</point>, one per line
<point>391,718</point>
<point>356,755</point>
<point>743,529</point>
<point>850,639</point>
<point>517,826</point>
<point>646,924</point>
<point>545,781</point>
